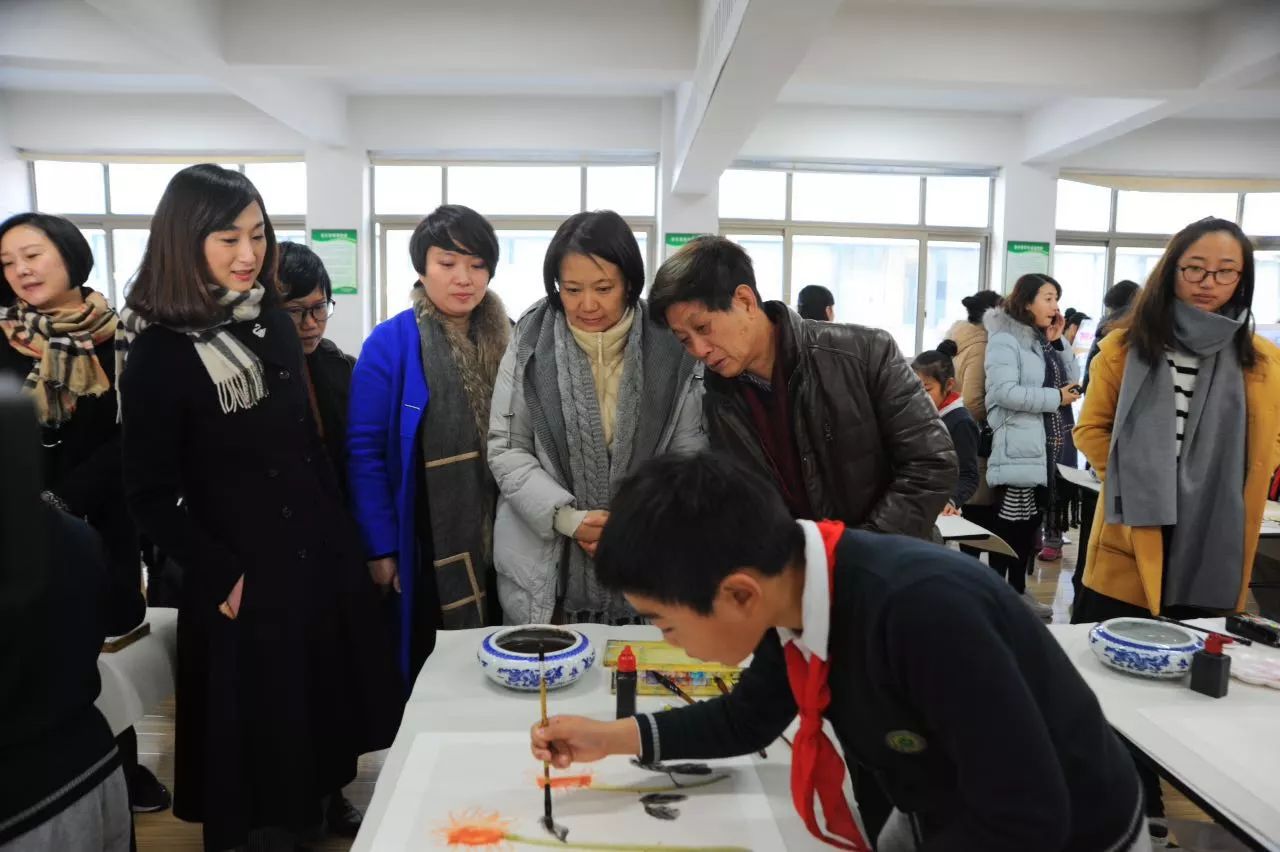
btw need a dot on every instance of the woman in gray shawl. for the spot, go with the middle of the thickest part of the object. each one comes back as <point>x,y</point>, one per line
<point>588,389</point>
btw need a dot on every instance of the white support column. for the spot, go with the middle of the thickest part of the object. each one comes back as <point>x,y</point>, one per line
<point>338,198</point>
<point>1026,208</point>
<point>678,213</point>
<point>15,188</point>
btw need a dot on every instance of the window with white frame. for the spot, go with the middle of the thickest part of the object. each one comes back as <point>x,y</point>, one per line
<point>1107,235</point>
<point>525,204</point>
<point>112,204</point>
<point>898,251</point>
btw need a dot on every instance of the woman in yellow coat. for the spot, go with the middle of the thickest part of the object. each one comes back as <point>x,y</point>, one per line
<point>1182,422</point>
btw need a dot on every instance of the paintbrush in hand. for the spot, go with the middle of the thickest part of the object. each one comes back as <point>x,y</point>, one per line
<point>724,690</point>
<point>557,831</point>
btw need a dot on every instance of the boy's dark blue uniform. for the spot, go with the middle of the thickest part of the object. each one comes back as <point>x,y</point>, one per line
<point>953,695</point>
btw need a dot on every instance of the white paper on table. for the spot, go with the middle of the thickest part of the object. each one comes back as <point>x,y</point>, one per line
<point>1241,743</point>
<point>462,777</point>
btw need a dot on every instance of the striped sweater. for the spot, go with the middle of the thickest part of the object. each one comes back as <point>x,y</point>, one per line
<point>1184,368</point>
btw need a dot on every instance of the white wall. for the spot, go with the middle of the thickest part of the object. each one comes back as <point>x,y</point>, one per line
<point>338,198</point>
<point>52,122</point>
<point>1190,148</point>
<point>816,133</point>
<point>569,126</point>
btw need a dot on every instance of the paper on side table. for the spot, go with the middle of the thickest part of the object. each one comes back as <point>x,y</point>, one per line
<point>1242,744</point>
<point>469,791</point>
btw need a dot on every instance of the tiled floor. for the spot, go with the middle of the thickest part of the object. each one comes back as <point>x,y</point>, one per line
<point>162,832</point>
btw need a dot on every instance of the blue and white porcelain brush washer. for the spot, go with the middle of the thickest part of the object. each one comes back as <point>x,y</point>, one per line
<point>510,656</point>
<point>1145,647</point>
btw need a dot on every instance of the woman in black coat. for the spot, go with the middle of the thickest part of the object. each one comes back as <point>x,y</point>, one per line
<point>284,677</point>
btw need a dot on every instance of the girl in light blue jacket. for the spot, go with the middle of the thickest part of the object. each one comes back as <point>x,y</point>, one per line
<point>1031,374</point>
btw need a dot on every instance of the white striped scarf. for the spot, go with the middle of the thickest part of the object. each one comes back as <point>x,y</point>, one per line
<point>235,370</point>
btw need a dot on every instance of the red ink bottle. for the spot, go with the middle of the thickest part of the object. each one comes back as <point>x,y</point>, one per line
<point>1210,668</point>
<point>626,683</point>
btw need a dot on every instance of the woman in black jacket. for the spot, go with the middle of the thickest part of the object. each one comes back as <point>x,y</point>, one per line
<point>284,677</point>
<point>308,300</point>
<point>56,339</point>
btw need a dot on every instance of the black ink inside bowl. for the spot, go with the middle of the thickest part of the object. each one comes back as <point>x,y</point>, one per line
<point>531,641</point>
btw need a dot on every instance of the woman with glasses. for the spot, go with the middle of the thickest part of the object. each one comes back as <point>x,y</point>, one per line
<point>1182,423</point>
<point>308,300</point>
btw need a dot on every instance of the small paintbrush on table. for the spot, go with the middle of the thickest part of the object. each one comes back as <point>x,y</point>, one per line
<point>724,689</point>
<point>557,831</point>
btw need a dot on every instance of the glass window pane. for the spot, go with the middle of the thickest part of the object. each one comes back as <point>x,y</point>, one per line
<point>406,190</point>
<point>1083,207</point>
<point>128,245</point>
<point>400,276</point>
<point>765,251</point>
<point>519,278</point>
<point>1170,212</point>
<point>1134,263</point>
<point>874,280</point>
<point>957,201</point>
<point>299,237</point>
<point>1266,287</point>
<point>137,187</point>
<point>69,187</point>
<point>642,240</point>
<point>954,271</point>
<point>835,197</point>
<point>627,190</point>
<point>506,190</point>
<point>748,194</point>
<point>1262,214</point>
<point>283,186</point>
<point>1082,271</point>
<point>99,276</point>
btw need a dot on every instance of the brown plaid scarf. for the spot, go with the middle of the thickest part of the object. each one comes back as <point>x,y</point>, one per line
<point>63,341</point>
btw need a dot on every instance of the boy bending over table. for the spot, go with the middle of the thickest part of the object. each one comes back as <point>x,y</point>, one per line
<point>934,676</point>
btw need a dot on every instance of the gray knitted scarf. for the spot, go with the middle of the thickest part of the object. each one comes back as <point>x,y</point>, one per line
<point>560,392</point>
<point>1148,486</point>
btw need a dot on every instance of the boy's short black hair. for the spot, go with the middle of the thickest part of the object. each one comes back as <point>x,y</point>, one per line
<point>453,227</point>
<point>682,523</point>
<point>301,273</point>
<point>707,269</point>
<point>813,301</point>
<point>77,257</point>
<point>597,233</point>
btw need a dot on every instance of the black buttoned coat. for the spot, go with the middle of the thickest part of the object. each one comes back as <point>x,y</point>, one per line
<point>274,707</point>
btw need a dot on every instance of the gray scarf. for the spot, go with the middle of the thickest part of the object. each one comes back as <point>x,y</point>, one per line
<point>560,393</point>
<point>1147,484</point>
<point>460,369</point>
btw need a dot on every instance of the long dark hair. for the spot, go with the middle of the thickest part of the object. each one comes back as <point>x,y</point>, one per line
<point>172,284</point>
<point>1150,321</point>
<point>1018,305</point>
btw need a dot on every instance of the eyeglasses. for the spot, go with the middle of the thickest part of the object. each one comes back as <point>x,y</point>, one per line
<point>1222,277</point>
<point>318,313</point>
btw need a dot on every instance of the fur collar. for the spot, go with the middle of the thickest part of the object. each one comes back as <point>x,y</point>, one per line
<point>997,320</point>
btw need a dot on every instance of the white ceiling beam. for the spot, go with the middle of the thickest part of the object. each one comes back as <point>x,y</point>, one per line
<point>738,79</point>
<point>1242,49</point>
<point>190,31</point>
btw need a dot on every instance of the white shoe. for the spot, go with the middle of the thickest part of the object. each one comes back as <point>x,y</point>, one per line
<point>1041,610</point>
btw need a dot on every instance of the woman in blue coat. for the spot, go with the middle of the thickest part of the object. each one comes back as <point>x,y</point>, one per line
<point>1031,375</point>
<point>420,484</point>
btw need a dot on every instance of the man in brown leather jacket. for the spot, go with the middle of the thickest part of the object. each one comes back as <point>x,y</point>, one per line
<point>831,413</point>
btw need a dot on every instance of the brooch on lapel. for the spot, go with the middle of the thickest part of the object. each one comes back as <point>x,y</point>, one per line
<point>905,742</point>
<point>259,330</point>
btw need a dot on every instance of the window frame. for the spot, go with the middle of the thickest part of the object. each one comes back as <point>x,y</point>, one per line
<point>381,223</point>
<point>789,228</point>
<point>109,222</point>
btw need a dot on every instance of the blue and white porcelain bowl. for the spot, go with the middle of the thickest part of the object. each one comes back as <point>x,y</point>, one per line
<point>1145,647</point>
<point>510,656</point>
